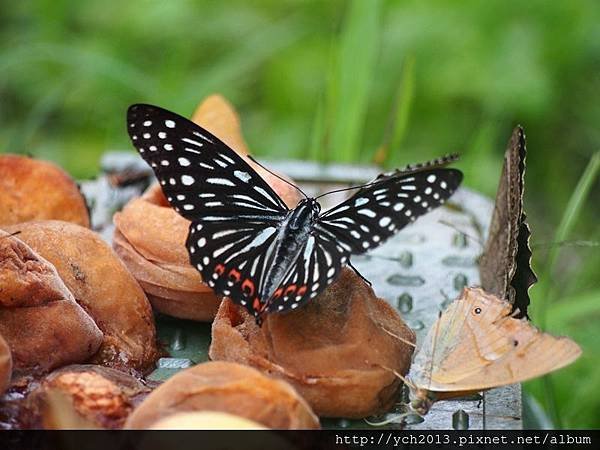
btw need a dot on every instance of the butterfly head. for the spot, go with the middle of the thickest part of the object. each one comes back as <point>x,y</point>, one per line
<point>311,205</point>
<point>307,211</point>
<point>422,401</point>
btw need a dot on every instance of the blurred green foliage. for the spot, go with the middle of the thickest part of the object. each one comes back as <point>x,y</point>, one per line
<point>359,81</point>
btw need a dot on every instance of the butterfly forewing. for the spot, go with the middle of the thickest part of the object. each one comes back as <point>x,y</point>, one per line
<point>505,266</point>
<point>378,211</point>
<point>199,174</point>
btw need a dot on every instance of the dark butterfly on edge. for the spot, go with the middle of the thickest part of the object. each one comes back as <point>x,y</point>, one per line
<point>243,239</point>
<point>505,264</point>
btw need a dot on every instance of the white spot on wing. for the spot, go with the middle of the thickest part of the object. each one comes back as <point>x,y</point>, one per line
<point>227,158</point>
<point>244,176</point>
<point>384,221</point>
<point>203,137</point>
<point>191,141</point>
<point>187,180</point>
<point>221,181</point>
<point>266,194</point>
<point>366,212</point>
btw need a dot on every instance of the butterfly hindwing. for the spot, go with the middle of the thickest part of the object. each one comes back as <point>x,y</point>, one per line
<point>377,211</point>
<point>200,175</point>
<point>318,264</point>
<point>233,258</point>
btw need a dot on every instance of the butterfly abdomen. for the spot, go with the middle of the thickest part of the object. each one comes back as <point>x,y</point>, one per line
<point>292,238</point>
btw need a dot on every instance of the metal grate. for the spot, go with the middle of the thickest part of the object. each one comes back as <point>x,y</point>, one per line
<point>417,271</point>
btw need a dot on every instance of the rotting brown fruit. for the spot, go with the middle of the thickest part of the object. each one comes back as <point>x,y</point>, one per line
<point>5,365</point>
<point>102,285</point>
<point>31,189</point>
<point>39,318</point>
<point>84,396</point>
<point>150,240</point>
<point>226,387</point>
<point>339,351</point>
<point>150,236</point>
<point>206,420</point>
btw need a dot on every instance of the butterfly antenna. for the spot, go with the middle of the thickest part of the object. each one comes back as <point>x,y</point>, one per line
<point>359,274</point>
<point>14,233</point>
<point>278,176</point>
<point>401,339</point>
<point>566,243</point>
<point>347,189</point>
<point>446,296</point>
<point>397,418</point>
<point>405,380</point>
<point>454,227</point>
<point>434,345</point>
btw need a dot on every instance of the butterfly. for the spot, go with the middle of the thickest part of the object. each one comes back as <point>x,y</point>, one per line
<point>243,239</point>
<point>505,264</point>
<point>477,343</point>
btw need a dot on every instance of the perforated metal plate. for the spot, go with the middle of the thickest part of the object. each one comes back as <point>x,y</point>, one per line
<point>417,272</point>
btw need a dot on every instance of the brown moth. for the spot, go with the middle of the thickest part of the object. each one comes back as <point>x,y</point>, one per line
<point>478,344</point>
<point>505,264</point>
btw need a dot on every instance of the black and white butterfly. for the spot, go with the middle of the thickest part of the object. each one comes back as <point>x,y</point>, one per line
<point>243,239</point>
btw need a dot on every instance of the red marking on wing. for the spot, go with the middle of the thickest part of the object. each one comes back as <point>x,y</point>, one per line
<point>248,285</point>
<point>257,305</point>
<point>235,275</point>
<point>220,269</point>
<point>290,289</point>
<point>302,290</point>
<point>278,293</point>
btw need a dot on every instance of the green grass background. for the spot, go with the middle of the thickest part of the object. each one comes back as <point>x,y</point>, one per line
<point>361,81</point>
